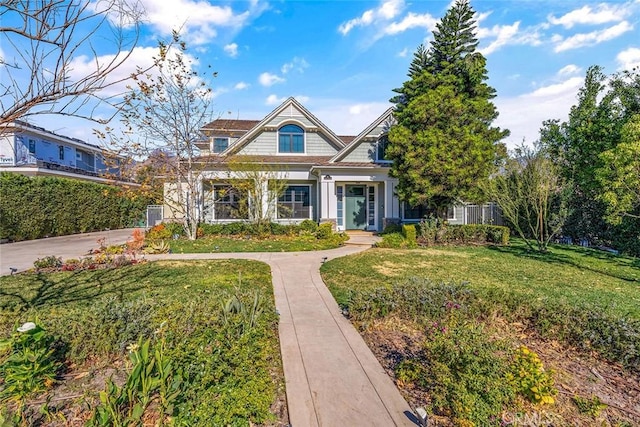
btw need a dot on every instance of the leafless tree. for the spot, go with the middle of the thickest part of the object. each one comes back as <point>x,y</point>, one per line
<point>165,111</point>
<point>42,44</point>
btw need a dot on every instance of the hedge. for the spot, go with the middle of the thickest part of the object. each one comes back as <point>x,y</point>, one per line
<point>434,233</point>
<point>36,207</point>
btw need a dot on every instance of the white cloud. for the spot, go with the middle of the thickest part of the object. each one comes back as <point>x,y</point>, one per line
<point>231,49</point>
<point>345,117</point>
<point>602,14</point>
<point>403,53</point>
<point>523,115</point>
<point>198,21</point>
<point>569,70</point>
<point>592,38</point>
<point>268,79</point>
<point>83,65</point>
<point>274,100</point>
<point>629,59</point>
<point>296,64</point>
<point>241,86</point>
<point>386,11</point>
<point>504,34</point>
<point>412,20</point>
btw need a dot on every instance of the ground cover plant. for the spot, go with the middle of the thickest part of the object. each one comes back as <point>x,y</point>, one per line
<point>156,343</point>
<point>481,334</point>
<point>248,237</point>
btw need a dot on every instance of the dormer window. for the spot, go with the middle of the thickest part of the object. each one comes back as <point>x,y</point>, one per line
<point>290,139</point>
<point>381,149</point>
<point>220,144</point>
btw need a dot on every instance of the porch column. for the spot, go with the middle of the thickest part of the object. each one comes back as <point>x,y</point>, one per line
<point>328,202</point>
<point>391,204</point>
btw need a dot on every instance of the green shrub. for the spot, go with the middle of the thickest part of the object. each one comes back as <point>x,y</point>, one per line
<point>434,231</point>
<point>465,373</point>
<point>592,406</point>
<point>410,234</point>
<point>308,226</point>
<point>210,229</point>
<point>48,262</point>
<point>237,228</point>
<point>27,363</point>
<point>324,230</point>
<point>528,376</point>
<point>392,228</point>
<point>392,240</point>
<point>36,207</point>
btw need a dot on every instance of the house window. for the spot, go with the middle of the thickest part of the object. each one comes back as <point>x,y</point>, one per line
<point>291,139</point>
<point>451,213</point>
<point>32,146</point>
<point>340,207</point>
<point>381,149</point>
<point>61,152</point>
<point>294,203</point>
<point>220,144</point>
<point>228,203</point>
<point>416,212</point>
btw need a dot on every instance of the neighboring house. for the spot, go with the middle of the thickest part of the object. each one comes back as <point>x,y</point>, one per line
<point>31,150</point>
<point>329,178</point>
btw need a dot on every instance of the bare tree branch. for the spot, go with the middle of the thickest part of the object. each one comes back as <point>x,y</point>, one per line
<point>45,39</point>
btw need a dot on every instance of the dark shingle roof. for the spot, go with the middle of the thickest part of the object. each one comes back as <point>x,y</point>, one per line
<point>347,139</point>
<point>231,124</point>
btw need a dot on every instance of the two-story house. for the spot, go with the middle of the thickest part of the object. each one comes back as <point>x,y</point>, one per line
<point>32,150</point>
<point>329,178</point>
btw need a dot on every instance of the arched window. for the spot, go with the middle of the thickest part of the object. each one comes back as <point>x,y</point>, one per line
<point>290,139</point>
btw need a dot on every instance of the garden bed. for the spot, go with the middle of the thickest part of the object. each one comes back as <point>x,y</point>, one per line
<point>451,323</point>
<point>211,324</point>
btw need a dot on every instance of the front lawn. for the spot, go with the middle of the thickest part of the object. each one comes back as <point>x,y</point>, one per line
<point>191,342</point>
<point>567,274</point>
<point>271,243</point>
<point>488,335</point>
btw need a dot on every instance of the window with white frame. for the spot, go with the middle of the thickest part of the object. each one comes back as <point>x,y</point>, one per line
<point>220,144</point>
<point>290,139</point>
<point>381,149</point>
<point>295,202</point>
<point>451,213</point>
<point>228,203</point>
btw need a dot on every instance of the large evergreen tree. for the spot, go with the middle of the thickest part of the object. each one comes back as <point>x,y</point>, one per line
<point>443,145</point>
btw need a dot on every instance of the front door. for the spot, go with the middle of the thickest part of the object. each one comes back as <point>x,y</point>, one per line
<point>356,207</point>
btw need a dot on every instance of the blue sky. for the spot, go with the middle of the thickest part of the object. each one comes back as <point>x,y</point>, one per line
<point>342,59</point>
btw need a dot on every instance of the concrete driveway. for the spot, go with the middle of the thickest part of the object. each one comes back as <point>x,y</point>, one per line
<point>21,255</point>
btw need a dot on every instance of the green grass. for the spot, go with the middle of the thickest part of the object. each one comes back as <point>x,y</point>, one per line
<point>232,372</point>
<point>566,274</point>
<point>283,243</point>
<point>447,319</point>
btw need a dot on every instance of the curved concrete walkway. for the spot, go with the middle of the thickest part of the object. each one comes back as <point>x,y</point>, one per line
<point>332,378</point>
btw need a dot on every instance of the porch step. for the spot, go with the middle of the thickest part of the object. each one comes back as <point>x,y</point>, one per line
<point>362,238</point>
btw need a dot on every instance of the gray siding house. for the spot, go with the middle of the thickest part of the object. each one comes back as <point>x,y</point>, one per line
<point>343,180</point>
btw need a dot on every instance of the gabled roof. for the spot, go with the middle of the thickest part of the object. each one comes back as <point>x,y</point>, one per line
<point>347,139</point>
<point>247,137</point>
<point>228,125</point>
<point>349,148</point>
